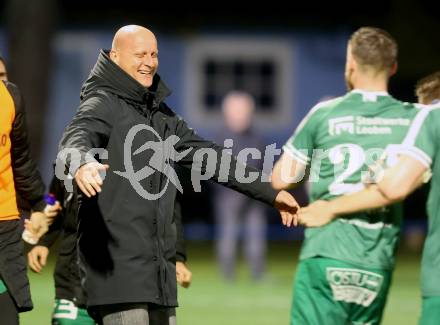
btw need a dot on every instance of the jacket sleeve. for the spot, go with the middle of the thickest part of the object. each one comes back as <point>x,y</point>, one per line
<point>27,179</point>
<point>90,128</point>
<point>189,140</point>
<point>55,229</point>
<point>180,242</point>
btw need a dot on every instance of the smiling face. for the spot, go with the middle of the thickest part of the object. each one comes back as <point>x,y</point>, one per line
<point>135,51</point>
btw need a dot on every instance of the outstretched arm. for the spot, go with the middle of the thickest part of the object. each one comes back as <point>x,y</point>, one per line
<point>207,160</point>
<point>89,130</point>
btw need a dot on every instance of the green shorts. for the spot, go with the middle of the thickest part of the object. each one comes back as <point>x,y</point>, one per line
<point>430,311</point>
<point>66,313</point>
<point>328,291</point>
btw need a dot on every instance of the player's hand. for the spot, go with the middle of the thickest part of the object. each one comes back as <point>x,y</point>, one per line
<point>88,179</point>
<point>288,208</point>
<point>37,258</point>
<point>51,211</point>
<point>37,225</point>
<point>317,214</point>
<point>183,275</point>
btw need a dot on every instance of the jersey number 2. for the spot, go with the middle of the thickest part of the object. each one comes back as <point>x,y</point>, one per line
<point>356,159</point>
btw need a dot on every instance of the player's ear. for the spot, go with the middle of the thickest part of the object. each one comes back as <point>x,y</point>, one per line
<point>351,64</point>
<point>355,66</point>
<point>393,69</point>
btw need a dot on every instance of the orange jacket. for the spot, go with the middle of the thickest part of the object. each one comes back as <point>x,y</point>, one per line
<point>8,203</point>
<point>18,172</point>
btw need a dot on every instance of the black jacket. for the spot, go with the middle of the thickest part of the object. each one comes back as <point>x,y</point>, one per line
<point>67,278</point>
<point>128,243</point>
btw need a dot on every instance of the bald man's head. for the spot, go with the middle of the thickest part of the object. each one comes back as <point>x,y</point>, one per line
<point>134,50</point>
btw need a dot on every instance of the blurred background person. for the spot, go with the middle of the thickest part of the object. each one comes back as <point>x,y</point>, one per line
<point>237,216</point>
<point>18,176</point>
<point>428,89</point>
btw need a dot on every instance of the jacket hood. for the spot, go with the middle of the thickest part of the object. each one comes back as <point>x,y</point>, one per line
<point>108,76</point>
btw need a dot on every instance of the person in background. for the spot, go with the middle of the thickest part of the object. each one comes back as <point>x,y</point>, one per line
<point>428,89</point>
<point>237,216</point>
<point>18,176</point>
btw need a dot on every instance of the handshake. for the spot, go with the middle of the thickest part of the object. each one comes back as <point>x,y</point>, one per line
<point>38,224</point>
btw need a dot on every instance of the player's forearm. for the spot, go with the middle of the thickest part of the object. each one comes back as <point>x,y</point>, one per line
<point>224,168</point>
<point>284,178</point>
<point>395,186</point>
<point>279,185</point>
<point>398,183</point>
<point>370,198</point>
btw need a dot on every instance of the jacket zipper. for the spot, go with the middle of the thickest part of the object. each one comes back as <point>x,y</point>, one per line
<point>162,270</point>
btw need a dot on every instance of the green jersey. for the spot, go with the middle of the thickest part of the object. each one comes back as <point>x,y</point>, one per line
<point>423,143</point>
<point>338,140</point>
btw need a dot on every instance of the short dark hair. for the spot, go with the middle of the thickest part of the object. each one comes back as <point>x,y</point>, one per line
<point>428,87</point>
<point>374,48</point>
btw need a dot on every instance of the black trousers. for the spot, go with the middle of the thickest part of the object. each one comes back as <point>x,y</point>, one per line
<point>13,264</point>
<point>9,312</point>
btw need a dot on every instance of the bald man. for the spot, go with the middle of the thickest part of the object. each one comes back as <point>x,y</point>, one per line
<point>127,232</point>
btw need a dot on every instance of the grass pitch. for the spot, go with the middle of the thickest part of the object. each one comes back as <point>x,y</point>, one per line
<point>211,300</point>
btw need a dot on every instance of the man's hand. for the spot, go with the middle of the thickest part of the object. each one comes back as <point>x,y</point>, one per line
<point>183,275</point>
<point>88,179</point>
<point>37,258</point>
<point>51,211</point>
<point>317,214</point>
<point>288,208</point>
<point>37,225</point>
